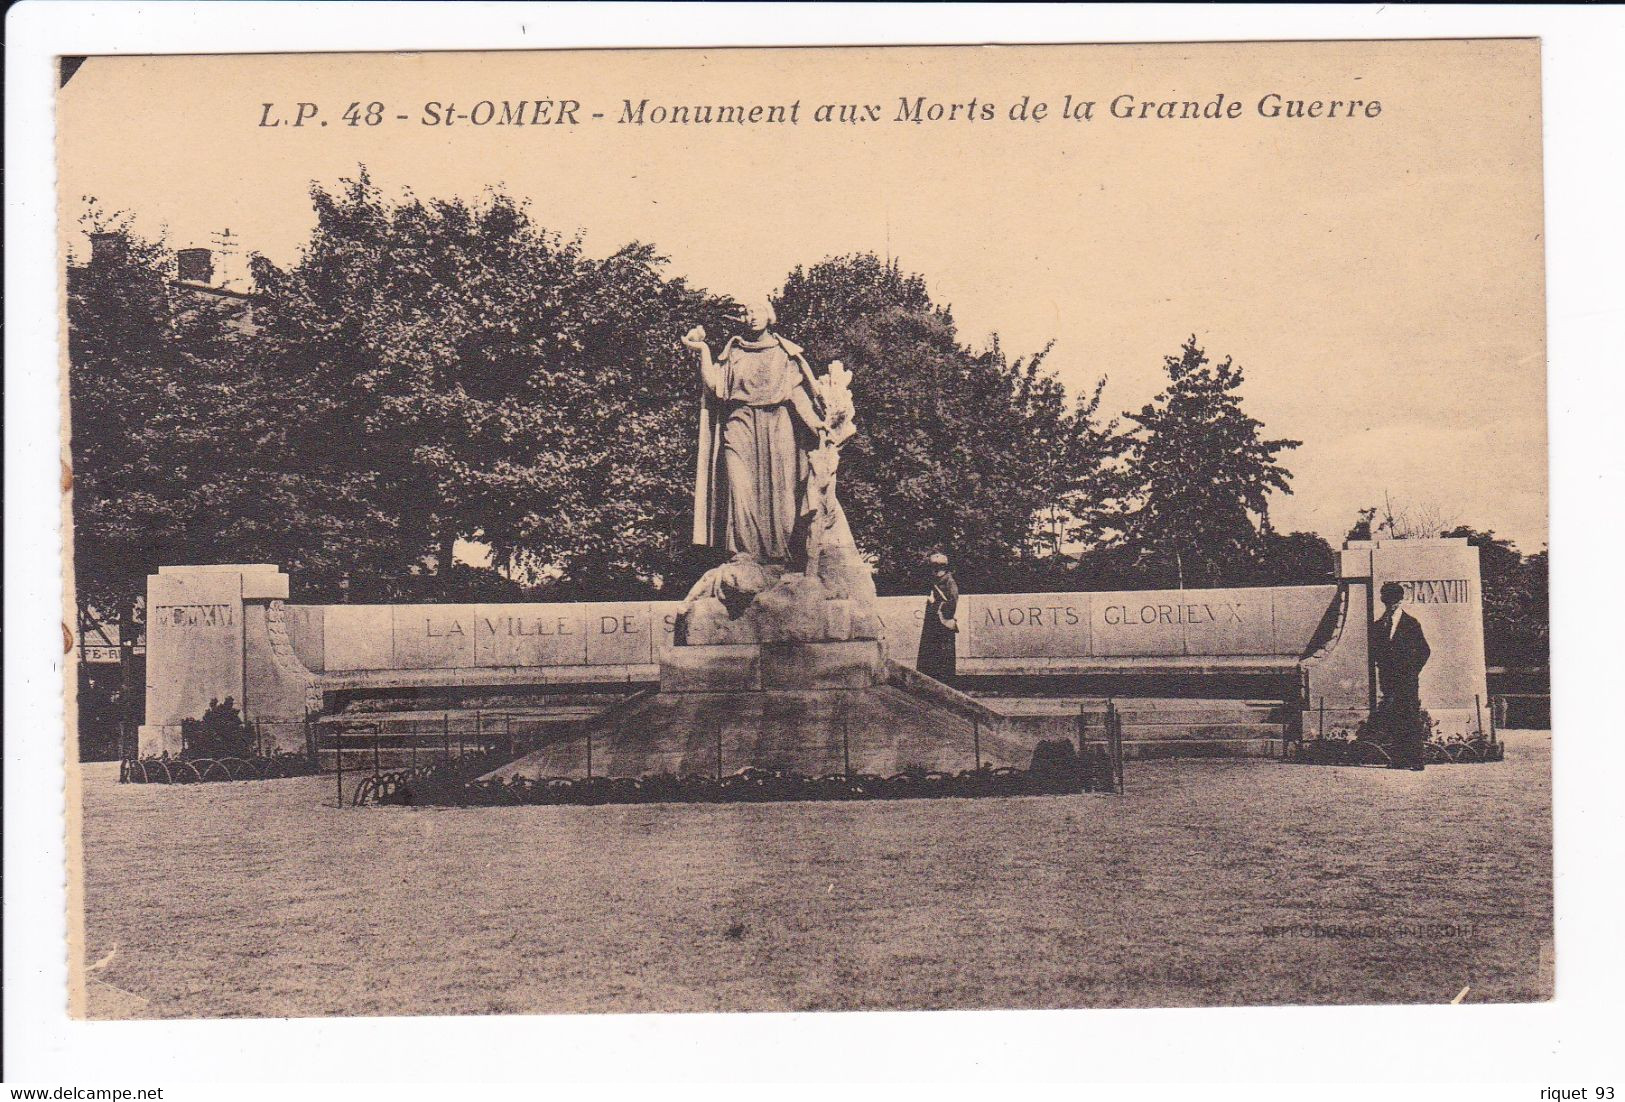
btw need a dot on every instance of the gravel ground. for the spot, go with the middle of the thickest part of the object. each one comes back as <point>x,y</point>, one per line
<point>264,899</point>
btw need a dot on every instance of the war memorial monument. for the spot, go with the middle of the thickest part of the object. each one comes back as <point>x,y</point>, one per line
<point>783,658</point>
<point>972,564</point>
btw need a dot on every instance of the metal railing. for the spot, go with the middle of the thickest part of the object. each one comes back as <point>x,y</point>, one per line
<point>448,771</point>
<point>260,749</point>
<point>1365,744</point>
<point>402,745</point>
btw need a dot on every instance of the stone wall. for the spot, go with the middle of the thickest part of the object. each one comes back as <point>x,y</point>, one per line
<point>219,631</point>
<point>1215,622</point>
<point>334,638</point>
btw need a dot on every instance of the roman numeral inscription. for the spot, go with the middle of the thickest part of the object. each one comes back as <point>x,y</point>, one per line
<point>196,616</point>
<point>1441,591</point>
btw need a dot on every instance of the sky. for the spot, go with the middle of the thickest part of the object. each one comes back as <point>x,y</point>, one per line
<point>1379,279</point>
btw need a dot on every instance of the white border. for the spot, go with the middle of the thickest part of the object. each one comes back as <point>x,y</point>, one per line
<point>1567,1043</point>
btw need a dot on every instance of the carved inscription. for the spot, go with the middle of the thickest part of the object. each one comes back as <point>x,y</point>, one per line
<point>1028,616</point>
<point>1224,612</point>
<point>515,627</point>
<point>193,616</point>
<point>1439,591</point>
<point>622,625</point>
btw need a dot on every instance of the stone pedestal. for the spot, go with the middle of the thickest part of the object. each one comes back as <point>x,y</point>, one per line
<point>832,600</point>
<point>1445,595</point>
<point>769,666</point>
<point>809,708</point>
<point>199,622</point>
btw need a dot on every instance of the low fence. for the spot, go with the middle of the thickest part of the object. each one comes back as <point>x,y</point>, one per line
<point>259,750</point>
<point>354,746</point>
<point>1366,743</point>
<point>449,771</point>
<point>201,770</point>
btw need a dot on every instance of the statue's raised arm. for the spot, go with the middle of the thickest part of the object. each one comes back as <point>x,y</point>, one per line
<point>710,376</point>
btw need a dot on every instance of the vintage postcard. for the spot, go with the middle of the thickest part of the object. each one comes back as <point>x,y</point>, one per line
<point>806,529</point>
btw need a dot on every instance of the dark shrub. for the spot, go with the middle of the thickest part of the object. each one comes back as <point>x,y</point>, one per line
<point>1056,766</point>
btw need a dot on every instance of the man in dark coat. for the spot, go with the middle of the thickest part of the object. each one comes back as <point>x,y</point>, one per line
<point>1399,650</point>
<point>937,634</point>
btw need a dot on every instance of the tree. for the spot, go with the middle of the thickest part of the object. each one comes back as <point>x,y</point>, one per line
<point>1517,610</point>
<point>163,433</point>
<point>1528,642</point>
<point>429,371</point>
<point>474,376</point>
<point>121,357</point>
<point>959,450</point>
<point>1408,520</point>
<point>1295,558</point>
<point>1198,476</point>
<point>1361,528</point>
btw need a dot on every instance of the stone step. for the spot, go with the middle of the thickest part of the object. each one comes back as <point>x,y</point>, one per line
<point>1155,749</point>
<point>1194,733</point>
<point>915,683</point>
<point>388,758</point>
<point>1200,732</point>
<point>1214,716</point>
<point>1140,710</point>
<point>428,724</point>
<point>1052,727</point>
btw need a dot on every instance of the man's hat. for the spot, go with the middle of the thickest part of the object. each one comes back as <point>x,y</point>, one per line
<point>1392,593</point>
<point>937,558</point>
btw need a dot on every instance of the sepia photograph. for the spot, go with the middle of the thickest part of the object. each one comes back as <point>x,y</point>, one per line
<point>744,530</point>
<point>811,543</point>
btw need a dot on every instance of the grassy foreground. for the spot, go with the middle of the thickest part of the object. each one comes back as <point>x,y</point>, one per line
<point>264,899</point>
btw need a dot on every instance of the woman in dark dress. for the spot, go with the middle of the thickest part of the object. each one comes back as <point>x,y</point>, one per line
<point>937,636</point>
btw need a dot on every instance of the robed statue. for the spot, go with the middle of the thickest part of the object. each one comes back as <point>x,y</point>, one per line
<point>771,430</point>
<point>761,418</point>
